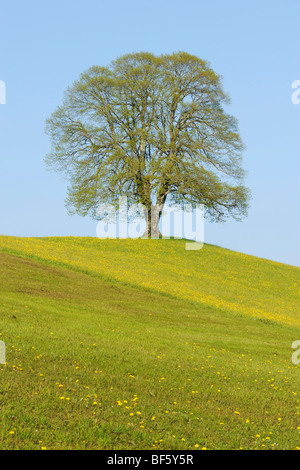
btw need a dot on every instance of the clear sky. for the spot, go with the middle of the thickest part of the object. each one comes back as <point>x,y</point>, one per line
<point>254,44</point>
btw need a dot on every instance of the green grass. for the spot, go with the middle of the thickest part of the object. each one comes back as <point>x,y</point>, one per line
<point>212,276</point>
<point>97,361</point>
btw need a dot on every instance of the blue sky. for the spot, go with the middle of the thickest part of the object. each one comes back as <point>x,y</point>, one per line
<point>254,44</point>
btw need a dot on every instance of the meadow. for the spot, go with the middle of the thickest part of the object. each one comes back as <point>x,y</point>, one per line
<point>139,344</point>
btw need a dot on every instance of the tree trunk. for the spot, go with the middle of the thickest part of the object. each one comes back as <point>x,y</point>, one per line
<point>152,215</point>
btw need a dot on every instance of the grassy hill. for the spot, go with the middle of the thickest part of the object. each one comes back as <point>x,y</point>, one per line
<point>123,344</point>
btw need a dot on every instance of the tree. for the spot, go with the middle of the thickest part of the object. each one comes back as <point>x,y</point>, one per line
<point>149,128</point>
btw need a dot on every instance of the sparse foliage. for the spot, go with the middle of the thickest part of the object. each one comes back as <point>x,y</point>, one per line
<point>149,128</point>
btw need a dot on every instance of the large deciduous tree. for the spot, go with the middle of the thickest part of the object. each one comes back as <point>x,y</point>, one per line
<point>149,128</point>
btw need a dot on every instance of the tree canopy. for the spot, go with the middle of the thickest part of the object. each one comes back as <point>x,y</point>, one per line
<point>149,128</point>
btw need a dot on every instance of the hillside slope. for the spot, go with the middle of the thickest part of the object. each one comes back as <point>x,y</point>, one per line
<point>97,364</point>
<point>213,276</point>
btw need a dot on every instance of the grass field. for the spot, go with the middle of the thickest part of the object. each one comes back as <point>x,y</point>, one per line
<point>123,344</point>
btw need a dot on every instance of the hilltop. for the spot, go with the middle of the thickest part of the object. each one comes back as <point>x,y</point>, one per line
<point>123,344</point>
<point>213,276</point>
